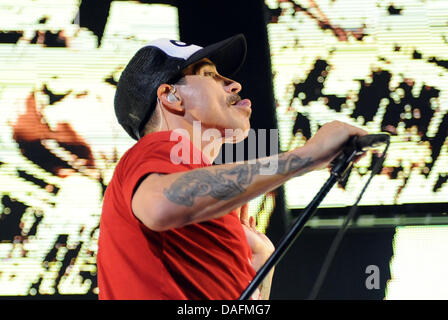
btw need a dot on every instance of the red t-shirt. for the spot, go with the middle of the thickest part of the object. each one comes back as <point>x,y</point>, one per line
<point>207,260</point>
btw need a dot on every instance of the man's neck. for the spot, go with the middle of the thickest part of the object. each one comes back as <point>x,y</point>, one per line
<point>207,140</point>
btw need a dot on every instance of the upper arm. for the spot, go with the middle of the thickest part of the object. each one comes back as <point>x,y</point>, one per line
<point>147,201</point>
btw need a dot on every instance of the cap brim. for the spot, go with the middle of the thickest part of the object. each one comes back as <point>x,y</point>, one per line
<point>228,55</point>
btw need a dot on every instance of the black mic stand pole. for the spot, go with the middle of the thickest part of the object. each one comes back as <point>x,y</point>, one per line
<point>342,164</point>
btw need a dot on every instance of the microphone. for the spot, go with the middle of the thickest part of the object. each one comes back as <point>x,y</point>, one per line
<point>361,143</point>
<point>356,146</point>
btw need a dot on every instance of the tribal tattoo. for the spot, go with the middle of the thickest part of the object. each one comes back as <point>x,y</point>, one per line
<point>224,184</point>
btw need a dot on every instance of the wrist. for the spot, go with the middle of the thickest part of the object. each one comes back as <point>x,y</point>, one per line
<point>310,151</point>
<point>259,258</point>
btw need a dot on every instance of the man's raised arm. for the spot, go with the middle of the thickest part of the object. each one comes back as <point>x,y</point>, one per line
<point>162,202</point>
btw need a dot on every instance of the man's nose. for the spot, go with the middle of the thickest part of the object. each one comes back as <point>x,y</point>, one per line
<point>233,86</point>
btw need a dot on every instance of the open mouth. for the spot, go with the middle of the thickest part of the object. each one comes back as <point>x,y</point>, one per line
<point>243,105</point>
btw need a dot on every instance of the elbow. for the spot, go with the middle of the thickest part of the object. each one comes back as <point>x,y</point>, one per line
<point>154,220</point>
<point>156,225</point>
<point>159,219</point>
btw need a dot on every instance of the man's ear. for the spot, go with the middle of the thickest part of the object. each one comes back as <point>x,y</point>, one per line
<point>170,99</point>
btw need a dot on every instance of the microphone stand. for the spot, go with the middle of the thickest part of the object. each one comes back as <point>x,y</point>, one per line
<point>341,165</point>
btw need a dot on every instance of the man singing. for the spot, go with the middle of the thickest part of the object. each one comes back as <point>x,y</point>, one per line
<point>173,225</point>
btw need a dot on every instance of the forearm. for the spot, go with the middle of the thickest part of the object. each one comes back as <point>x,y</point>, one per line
<point>208,193</point>
<point>265,286</point>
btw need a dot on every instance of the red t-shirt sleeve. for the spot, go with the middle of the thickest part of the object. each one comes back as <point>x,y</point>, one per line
<point>152,155</point>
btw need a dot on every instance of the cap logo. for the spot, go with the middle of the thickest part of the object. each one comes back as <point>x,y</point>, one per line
<point>175,48</point>
<point>179,43</point>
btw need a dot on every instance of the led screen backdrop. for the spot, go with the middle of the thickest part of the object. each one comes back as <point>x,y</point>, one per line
<point>368,63</point>
<point>418,266</point>
<point>380,65</point>
<point>60,140</point>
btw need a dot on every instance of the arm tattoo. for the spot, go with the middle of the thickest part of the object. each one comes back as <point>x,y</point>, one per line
<point>224,184</point>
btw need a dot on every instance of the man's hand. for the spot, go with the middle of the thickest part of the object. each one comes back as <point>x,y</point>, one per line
<point>329,141</point>
<point>260,245</point>
<point>261,248</point>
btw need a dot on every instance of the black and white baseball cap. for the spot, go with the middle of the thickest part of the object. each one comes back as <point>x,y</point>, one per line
<point>162,61</point>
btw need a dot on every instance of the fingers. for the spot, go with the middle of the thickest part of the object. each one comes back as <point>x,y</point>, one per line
<point>252,222</point>
<point>355,131</point>
<point>246,220</point>
<point>340,127</point>
<point>238,212</point>
<point>244,215</point>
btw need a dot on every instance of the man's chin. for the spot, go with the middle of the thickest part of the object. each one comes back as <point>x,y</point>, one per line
<point>236,135</point>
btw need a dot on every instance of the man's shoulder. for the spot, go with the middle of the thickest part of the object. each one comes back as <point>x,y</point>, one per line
<point>152,149</point>
<point>149,143</point>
